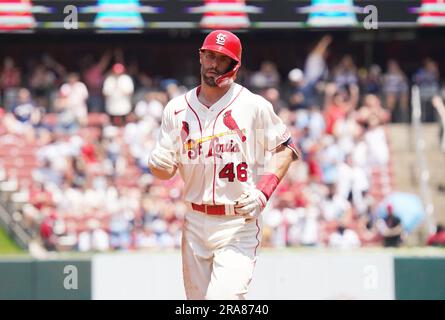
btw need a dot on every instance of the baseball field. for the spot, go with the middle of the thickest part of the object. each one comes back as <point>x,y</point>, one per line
<point>7,246</point>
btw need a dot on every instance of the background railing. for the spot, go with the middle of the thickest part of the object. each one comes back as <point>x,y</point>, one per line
<point>422,163</point>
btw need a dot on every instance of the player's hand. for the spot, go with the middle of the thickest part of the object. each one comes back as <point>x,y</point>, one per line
<point>250,204</point>
<point>161,160</point>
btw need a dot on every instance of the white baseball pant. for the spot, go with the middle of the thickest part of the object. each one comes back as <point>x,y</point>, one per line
<point>218,255</point>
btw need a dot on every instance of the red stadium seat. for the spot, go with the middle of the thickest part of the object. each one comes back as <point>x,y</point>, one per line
<point>98,119</point>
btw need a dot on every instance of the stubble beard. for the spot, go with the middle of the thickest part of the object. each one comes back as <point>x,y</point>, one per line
<point>210,81</point>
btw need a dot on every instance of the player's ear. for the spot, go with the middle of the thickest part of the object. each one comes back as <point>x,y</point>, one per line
<point>200,56</point>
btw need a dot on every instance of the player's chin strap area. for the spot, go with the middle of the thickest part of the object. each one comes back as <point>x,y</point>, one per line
<point>229,77</point>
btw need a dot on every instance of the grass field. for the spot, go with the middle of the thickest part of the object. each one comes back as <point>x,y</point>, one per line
<point>7,246</point>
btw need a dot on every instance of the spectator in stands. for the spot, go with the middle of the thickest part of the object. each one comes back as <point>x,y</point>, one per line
<point>372,105</point>
<point>150,108</point>
<point>40,196</point>
<point>10,81</point>
<point>308,226</point>
<point>314,165</point>
<point>335,107</point>
<point>352,183</point>
<point>390,227</point>
<point>371,80</point>
<point>72,104</point>
<point>311,123</point>
<point>89,152</point>
<point>112,145</point>
<point>296,99</point>
<point>76,172</point>
<point>273,96</point>
<point>334,207</point>
<point>437,239</point>
<point>376,142</point>
<point>338,104</point>
<point>266,77</point>
<point>366,228</point>
<point>54,156</point>
<point>427,78</point>
<point>172,90</point>
<point>303,93</point>
<point>345,73</point>
<point>47,226</point>
<point>133,72</point>
<point>47,174</point>
<point>317,125</point>
<point>44,80</point>
<point>145,238</point>
<point>331,155</point>
<point>24,108</point>
<point>84,240</point>
<point>138,136</point>
<point>315,70</point>
<point>93,76</point>
<point>359,153</point>
<point>346,129</point>
<point>315,65</point>
<point>25,117</point>
<point>120,228</point>
<point>344,238</point>
<point>395,89</point>
<point>100,240</point>
<point>273,220</point>
<point>118,89</point>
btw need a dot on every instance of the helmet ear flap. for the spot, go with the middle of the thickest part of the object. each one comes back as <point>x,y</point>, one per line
<point>228,77</point>
<point>232,66</point>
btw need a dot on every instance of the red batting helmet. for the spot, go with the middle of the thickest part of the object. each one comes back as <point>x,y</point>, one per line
<point>227,43</point>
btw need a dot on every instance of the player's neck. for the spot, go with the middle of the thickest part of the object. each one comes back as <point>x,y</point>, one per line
<point>209,95</point>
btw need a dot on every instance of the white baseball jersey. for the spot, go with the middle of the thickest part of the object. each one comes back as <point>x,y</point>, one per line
<point>219,150</point>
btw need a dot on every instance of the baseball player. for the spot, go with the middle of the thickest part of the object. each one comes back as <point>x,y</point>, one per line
<point>231,150</point>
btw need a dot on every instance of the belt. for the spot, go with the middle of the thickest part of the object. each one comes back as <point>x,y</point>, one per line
<point>217,210</point>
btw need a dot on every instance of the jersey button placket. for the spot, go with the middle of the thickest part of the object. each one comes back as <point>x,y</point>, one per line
<point>207,131</point>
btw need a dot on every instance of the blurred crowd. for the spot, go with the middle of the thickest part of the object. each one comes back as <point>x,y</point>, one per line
<point>83,139</point>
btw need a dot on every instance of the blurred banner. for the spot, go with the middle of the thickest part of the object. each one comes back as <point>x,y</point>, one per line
<point>142,15</point>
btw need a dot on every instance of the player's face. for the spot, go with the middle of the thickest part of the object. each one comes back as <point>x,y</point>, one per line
<point>213,64</point>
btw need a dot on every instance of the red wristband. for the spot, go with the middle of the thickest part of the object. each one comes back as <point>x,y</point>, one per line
<point>267,184</point>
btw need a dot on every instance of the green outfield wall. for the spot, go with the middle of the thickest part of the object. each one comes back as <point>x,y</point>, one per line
<point>278,275</point>
<point>41,280</point>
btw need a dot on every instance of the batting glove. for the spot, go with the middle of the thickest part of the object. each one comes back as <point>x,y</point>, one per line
<point>161,160</point>
<point>250,204</point>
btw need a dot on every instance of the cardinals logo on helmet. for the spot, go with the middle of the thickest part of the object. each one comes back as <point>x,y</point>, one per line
<point>221,39</point>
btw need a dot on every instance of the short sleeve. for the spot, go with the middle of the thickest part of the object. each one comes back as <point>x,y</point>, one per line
<point>166,141</point>
<point>273,131</point>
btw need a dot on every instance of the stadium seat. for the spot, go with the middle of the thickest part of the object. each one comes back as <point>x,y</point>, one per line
<point>97,119</point>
